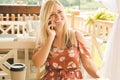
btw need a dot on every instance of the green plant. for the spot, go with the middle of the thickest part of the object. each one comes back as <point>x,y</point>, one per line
<point>101,14</point>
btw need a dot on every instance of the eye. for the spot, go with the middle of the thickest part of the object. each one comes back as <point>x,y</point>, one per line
<point>52,15</point>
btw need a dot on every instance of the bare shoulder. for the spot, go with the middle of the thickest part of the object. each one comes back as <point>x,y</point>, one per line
<point>73,31</point>
<point>79,35</point>
<point>76,35</point>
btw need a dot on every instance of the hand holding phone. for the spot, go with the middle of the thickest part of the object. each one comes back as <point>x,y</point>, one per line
<point>51,30</point>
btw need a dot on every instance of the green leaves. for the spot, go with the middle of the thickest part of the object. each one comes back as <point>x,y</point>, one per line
<point>101,14</point>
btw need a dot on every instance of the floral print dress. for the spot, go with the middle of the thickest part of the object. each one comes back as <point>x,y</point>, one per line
<point>65,65</point>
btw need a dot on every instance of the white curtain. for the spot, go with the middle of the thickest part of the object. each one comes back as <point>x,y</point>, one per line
<point>113,5</point>
<point>111,59</point>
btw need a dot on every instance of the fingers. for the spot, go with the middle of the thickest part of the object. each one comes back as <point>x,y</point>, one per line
<point>51,24</point>
<point>50,21</point>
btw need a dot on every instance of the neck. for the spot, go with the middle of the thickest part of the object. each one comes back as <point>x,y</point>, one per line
<point>58,42</point>
<point>58,37</point>
<point>59,34</point>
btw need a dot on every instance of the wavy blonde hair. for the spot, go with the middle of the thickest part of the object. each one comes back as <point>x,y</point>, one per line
<point>45,13</point>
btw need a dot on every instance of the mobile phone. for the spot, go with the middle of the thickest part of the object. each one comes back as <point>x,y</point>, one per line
<point>49,22</point>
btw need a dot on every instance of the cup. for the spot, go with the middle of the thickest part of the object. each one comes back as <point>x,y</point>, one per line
<point>18,71</point>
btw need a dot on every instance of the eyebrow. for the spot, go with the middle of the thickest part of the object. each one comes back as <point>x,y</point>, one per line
<point>57,11</point>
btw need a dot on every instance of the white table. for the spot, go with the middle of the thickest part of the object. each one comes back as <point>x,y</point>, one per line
<point>12,46</point>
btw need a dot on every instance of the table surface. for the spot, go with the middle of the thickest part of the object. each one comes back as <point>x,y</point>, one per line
<point>18,42</point>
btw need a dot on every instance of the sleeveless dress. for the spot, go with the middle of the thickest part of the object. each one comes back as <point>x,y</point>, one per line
<point>65,64</point>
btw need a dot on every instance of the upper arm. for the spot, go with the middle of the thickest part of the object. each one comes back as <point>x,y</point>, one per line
<point>83,46</point>
<point>85,55</point>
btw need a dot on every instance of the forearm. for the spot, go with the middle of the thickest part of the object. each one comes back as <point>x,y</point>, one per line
<point>40,57</point>
<point>91,68</point>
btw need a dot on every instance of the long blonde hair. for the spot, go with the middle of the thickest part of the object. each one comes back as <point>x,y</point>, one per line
<point>45,13</point>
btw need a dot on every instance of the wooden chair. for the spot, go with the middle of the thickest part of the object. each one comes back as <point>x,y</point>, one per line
<point>13,27</point>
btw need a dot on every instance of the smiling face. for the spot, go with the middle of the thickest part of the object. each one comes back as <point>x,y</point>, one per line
<point>53,10</point>
<point>57,17</point>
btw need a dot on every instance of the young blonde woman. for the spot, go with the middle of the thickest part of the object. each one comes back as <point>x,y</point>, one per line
<point>60,48</point>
